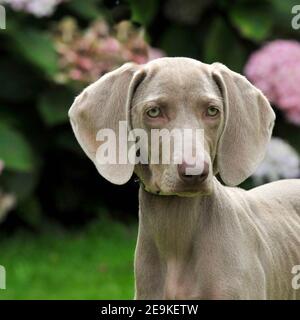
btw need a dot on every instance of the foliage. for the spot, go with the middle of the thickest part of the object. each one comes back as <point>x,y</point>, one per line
<point>44,65</point>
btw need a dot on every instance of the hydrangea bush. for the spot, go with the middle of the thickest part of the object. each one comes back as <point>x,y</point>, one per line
<point>275,69</point>
<point>281,162</point>
<point>51,49</point>
<point>86,55</point>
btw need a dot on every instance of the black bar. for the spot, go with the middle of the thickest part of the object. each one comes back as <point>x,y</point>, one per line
<point>120,309</point>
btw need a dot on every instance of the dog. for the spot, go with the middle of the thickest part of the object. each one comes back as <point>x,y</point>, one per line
<point>200,236</point>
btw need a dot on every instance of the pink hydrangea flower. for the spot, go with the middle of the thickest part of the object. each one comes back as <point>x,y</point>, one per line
<point>39,8</point>
<point>85,55</point>
<point>155,53</point>
<point>275,69</point>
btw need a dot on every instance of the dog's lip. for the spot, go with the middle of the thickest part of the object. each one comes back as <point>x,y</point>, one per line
<point>192,193</point>
<point>187,191</point>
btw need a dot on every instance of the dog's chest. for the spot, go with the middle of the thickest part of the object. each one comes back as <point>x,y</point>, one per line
<point>193,264</point>
<point>199,275</point>
<point>196,263</point>
<point>179,281</point>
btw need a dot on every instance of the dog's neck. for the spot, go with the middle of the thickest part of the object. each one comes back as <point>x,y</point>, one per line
<point>175,222</point>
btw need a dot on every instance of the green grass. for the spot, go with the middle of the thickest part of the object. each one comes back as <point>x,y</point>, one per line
<point>95,263</point>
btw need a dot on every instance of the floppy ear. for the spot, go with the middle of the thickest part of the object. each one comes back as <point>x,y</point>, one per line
<point>101,106</point>
<point>248,124</point>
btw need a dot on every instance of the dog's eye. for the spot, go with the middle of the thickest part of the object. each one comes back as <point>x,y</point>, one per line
<point>212,111</point>
<point>154,112</point>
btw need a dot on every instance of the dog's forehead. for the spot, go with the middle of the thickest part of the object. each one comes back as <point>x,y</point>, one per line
<point>177,77</point>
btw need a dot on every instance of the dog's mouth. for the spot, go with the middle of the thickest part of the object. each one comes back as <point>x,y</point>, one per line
<point>182,190</point>
<point>189,192</point>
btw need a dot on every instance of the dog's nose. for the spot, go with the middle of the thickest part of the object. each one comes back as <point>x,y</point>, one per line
<point>182,168</point>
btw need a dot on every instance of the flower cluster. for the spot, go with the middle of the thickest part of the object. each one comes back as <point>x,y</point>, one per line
<point>39,8</point>
<point>275,70</point>
<point>7,201</point>
<point>86,55</point>
<point>281,161</point>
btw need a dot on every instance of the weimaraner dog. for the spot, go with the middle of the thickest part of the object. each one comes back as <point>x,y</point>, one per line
<point>199,239</point>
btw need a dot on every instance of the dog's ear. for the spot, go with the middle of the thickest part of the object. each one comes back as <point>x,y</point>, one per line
<point>248,124</point>
<point>102,105</point>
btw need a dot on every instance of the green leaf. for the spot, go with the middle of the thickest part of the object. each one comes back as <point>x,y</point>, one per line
<point>285,7</point>
<point>86,9</point>
<point>143,11</point>
<point>30,211</point>
<point>184,44</point>
<point>21,184</point>
<point>53,106</point>
<point>253,21</point>
<point>15,151</point>
<point>37,47</point>
<point>16,84</point>
<point>282,16</point>
<point>66,140</point>
<point>216,48</point>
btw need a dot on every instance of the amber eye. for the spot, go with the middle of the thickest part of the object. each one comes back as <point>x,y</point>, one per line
<point>154,112</point>
<point>212,111</point>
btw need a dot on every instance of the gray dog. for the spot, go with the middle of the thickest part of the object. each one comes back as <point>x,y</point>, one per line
<point>199,239</point>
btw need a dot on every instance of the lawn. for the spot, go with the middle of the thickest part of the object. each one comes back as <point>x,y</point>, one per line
<point>94,263</point>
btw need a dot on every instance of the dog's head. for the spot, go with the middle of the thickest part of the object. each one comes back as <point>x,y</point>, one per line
<point>174,94</point>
